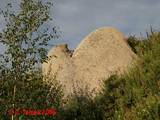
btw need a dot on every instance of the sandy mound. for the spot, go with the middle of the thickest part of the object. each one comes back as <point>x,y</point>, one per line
<point>100,54</point>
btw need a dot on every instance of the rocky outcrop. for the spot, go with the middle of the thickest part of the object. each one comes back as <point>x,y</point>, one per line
<point>100,54</point>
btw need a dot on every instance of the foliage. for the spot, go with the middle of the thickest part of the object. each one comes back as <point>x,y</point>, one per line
<point>25,38</point>
<point>32,93</point>
<point>80,106</point>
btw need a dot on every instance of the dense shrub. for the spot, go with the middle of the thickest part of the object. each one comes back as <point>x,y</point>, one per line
<point>30,93</point>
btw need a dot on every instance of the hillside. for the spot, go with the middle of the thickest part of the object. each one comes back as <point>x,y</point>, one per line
<point>132,96</point>
<point>100,54</point>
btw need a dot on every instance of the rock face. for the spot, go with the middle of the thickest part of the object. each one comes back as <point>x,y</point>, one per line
<point>100,54</point>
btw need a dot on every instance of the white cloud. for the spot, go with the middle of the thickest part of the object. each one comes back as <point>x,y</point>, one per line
<point>79,17</point>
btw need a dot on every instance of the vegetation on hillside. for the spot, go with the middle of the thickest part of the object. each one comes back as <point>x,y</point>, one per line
<point>132,96</point>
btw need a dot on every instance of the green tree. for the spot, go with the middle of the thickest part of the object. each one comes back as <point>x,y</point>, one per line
<point>26,38</point>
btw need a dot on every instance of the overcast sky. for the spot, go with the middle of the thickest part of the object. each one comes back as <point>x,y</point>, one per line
<point>77,18</point>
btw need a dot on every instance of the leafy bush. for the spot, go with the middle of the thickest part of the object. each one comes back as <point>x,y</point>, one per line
<point>30,93</point>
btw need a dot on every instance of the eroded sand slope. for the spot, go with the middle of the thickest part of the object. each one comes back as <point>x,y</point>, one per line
<point>100,54</point>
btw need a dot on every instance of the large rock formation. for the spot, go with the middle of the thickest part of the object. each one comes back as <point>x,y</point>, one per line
<point>100,54</point>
